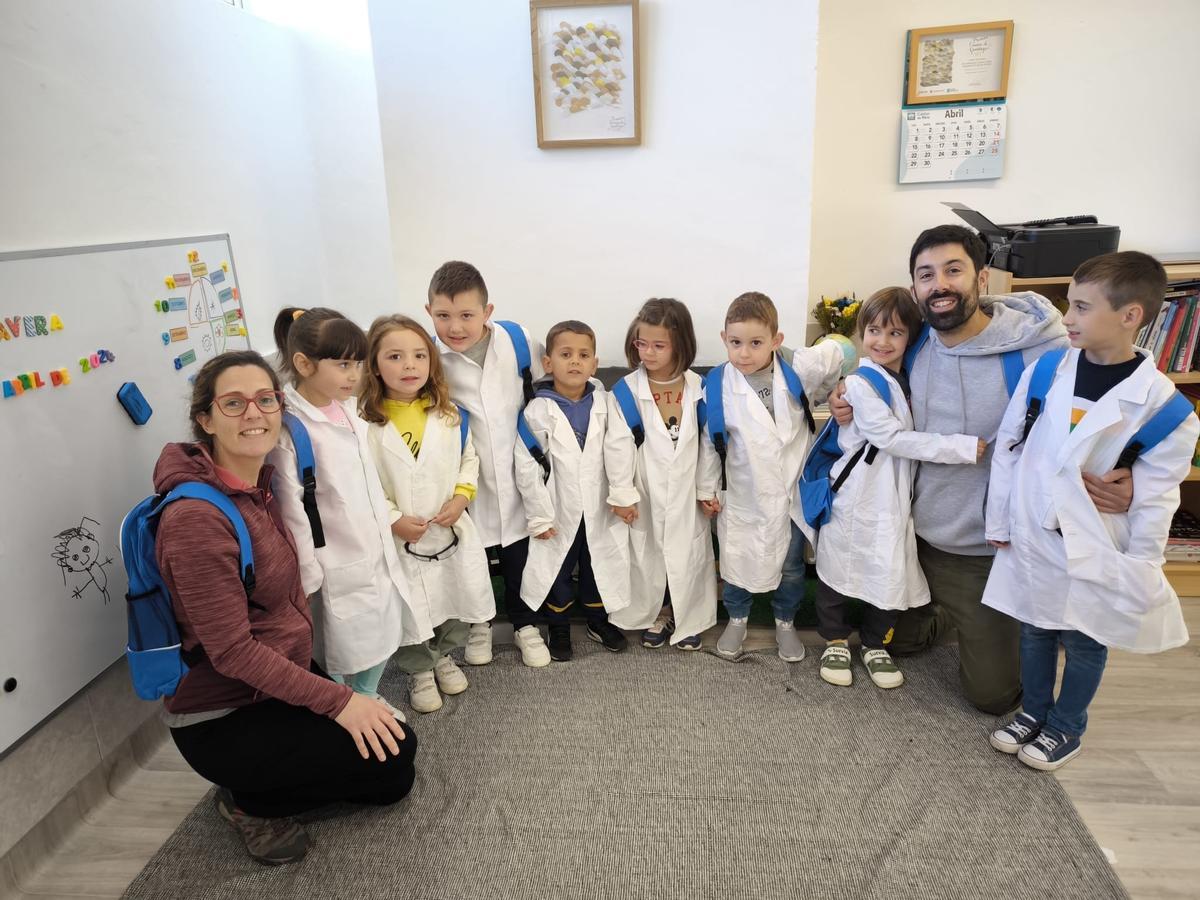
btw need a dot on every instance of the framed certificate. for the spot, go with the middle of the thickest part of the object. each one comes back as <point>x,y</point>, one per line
<point>958,63</point>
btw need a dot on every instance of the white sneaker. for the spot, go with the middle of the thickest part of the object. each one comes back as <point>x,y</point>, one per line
<point>423,693</point>
<point>396,714</point>
<point>791,648</point>
<point>836,664</point>
<point>450,678</point>
<point>479,644</point>
<point>534,652</point>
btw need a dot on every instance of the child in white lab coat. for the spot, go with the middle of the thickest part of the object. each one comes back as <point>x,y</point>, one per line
<point>579,515</point>
<point>868,548</point>
<point>353,576</point>
<point>1071,575</point>
<point>421,447</point>
<point>673,583</point>
<point>769,428</point>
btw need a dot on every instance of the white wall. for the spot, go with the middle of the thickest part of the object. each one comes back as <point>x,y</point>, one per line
<point>125,120</point>
<point>715,201</point>
<point>138,119</point>
<point>1102,118</point>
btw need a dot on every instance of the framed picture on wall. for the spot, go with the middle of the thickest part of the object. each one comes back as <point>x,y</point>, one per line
<point>958,63</point>
<point>586,79</point>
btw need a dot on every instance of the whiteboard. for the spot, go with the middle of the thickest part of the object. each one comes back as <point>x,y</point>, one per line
<point>72,461</point>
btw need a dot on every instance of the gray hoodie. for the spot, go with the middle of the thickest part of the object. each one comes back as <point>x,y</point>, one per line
<point>961,390</point>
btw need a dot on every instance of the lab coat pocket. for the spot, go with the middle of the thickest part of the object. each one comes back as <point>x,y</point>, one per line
<point>350,590</point>
<point>618,533</point>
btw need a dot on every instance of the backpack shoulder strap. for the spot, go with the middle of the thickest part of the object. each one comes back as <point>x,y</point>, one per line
<point>531,444</point>
<point>875,378</point>
<point>1168,417</point>
<point>463,427</point>
<point>196,490</point>
<point>796,388</point>
<point>306,466</point>
<point>524,359</point>
<point>910,355</point>
<point>1014,368</point>
<point>629,409</point>
<point>1039,387</point>
<point>714,412</point>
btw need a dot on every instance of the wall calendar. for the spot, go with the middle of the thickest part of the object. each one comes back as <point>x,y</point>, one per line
<point>952,142</point>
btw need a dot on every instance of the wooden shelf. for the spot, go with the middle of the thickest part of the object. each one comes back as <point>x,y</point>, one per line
<point>1184,377</point>
<point>1193,475</point>
<point>1184,577</point>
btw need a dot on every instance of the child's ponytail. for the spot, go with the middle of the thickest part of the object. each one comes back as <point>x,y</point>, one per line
<point>318,333</point>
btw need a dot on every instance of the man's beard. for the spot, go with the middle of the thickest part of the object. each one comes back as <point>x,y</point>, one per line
<point>949,319</point>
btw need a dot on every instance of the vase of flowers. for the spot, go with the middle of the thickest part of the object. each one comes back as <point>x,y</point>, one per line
<point>837,315</point>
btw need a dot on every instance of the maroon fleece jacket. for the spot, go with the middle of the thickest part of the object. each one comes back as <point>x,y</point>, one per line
<point>237,653</point>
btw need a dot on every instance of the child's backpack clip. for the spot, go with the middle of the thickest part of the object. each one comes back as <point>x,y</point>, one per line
<point>816,488</point>
<point>154,651</point>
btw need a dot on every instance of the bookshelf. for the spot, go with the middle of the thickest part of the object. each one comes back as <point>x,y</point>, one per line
<point>1184,576</point>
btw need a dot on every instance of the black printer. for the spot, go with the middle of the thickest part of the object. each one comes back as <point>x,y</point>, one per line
<point>1043,248</point>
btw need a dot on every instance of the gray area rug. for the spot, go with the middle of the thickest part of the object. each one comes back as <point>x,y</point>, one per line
<point>668,774</point>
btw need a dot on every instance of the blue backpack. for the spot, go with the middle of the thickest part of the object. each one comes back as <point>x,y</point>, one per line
<point>1168,417</point>
<point>524,362</point>
<point>1012,360</point>
<point>816,489</point>
<point>155,656</point>
<point>713,408</point>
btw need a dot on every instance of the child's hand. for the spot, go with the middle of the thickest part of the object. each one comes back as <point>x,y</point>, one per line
<point>999,545</point>
<point>410,528</point>
<point>450,511</point>
<point>546,535</point>
<point>980,450</point>
<point>710,507</point>
<point>839,408</point>
<point>627,514</point>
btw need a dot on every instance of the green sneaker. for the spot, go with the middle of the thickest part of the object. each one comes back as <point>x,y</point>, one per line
<point>835,664</point>
<point>881,668</point>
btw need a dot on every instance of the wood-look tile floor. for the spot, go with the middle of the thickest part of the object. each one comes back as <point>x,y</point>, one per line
<point>1137,786</point>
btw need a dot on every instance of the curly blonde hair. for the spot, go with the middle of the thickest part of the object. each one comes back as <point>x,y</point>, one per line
<point>436,391</point>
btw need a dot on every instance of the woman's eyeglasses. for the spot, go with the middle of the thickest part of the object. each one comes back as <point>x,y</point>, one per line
<point>235,405</point>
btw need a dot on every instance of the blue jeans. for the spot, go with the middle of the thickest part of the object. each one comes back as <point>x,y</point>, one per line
<point>787,596</point>
<point>1081,676</point>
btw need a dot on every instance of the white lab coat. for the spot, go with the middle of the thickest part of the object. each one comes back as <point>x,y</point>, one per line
<point>458,587</point>
<point>355,581</point>
<point>493,397</point>
<point>868,549</point>
<point>578,490</point>
<point>671,540</point>
<point>763,463</point>
<point>1103,576</point>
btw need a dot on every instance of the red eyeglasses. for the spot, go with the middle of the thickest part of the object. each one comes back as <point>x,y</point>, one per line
<point>235,405</point>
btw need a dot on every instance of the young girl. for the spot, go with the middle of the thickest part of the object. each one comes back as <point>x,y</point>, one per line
<point>429,475</point>
<point>868,549</point>
<point>358,588</point>
<point>673,582</point>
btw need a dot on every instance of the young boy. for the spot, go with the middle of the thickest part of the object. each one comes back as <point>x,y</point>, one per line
<point>481,367</point>
<point>1068,574</point>
<point>580,515</point>
<point>768,432</point>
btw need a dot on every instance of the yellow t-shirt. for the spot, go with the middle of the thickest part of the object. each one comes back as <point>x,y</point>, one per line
<point>408,418</point>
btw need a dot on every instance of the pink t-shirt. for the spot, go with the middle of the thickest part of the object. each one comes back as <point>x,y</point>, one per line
<point>336,414</point>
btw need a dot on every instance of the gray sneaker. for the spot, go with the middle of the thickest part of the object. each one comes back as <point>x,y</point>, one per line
<point>273,841</point>
<point>729,644</point>
<point>791,649</point>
